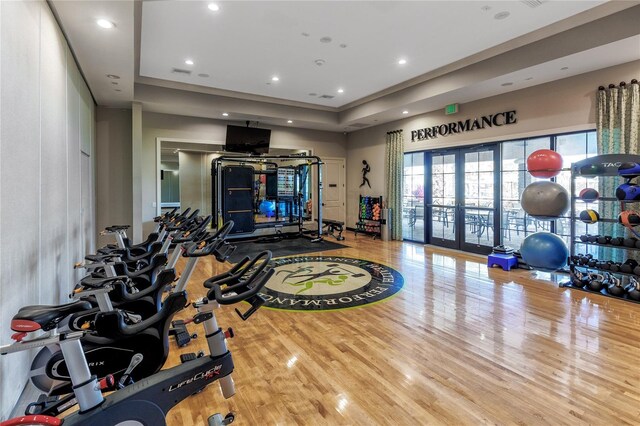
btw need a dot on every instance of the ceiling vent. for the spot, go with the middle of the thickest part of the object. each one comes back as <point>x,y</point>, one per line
<point>180,71</point>
<point>533,3</point>
<point>326,96</point>
<point>358,125</point>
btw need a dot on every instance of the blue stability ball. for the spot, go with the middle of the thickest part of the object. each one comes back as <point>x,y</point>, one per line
<point>268,208</point>
<point>544,251</point>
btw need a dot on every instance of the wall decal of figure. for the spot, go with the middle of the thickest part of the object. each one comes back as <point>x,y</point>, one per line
<point>366,169</point>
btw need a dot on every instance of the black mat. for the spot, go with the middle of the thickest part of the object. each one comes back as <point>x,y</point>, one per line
<point>286,247</point>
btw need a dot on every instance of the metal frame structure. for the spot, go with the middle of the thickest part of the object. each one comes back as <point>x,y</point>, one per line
<point>312,160</point>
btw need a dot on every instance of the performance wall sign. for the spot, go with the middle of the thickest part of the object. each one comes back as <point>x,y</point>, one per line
<point>318,283</point>
<point>493,120</point>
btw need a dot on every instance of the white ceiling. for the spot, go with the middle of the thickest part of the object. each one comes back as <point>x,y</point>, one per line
<point>245,43</point>
<point>102,51</point>
<point>455,51</point>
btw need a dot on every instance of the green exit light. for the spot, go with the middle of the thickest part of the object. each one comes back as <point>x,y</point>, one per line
<point>451,109</point>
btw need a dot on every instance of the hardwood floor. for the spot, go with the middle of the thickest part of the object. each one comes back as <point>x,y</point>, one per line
<point>460,344</point>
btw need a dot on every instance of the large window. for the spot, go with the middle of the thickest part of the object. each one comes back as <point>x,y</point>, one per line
<point>413,197</point>
<point>516,224</point>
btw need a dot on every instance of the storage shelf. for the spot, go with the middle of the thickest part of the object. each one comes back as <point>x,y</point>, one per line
<point>577,241</point>
<point>606,166</point>
<point>606,270</point>
<point>603,292</point>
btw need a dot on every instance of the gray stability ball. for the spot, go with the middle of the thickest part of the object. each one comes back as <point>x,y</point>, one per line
<point>545,199</point>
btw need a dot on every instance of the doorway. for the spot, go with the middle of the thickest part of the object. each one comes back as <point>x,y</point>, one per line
<point>333,196</point>
<point>464,193</point>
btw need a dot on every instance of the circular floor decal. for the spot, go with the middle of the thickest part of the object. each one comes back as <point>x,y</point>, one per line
<point>318,283</point>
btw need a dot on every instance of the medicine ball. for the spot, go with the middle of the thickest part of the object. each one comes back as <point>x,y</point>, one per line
<point>589,216</point>
<point>629,218</point>
<point>629,170</point>
<point>544,163</point>
<point>628,192</point>
<point>545,199</point>
<point>588,195</point>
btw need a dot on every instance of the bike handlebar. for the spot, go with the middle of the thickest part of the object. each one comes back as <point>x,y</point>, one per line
<point>242,282</point>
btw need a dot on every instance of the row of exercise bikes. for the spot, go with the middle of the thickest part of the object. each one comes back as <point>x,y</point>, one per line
<point>101,356</point>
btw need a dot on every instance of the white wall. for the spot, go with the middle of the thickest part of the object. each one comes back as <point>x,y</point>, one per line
<point>46,128</point>
<point>155,125</point>
<point>560,106</point>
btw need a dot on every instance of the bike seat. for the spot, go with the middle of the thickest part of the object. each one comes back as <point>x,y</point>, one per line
<point>45,317</point>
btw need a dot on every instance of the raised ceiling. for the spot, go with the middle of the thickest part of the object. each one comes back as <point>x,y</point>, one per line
<point>244,44</point>
<point>456,51</point>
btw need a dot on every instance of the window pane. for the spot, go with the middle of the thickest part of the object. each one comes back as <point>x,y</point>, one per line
<point>512,155</point>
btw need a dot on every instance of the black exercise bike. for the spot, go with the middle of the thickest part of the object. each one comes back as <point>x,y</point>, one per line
<point>149,400</point>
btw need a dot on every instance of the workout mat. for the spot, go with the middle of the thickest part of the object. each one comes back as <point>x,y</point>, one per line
<point>286,247</point>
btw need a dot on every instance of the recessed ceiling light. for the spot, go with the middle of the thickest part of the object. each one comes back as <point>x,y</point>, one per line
<point>275,78</point>
<point>114,82</point>
<point>501,15</point>
<point>402,61</point>
<point>104,23</point>
<point>118,90</point>
<point>529,78</point>
<point>203,75</point>
<point>405,112</point>
<point>188,62</point>
<point>113,76</point>
<point>508,83</point>
<point>325,39</point>
<point>313,94</point>
<point>340,90</point>
<point>564,68</point>
<point>305,34</point>
<point>225,114</point>
<point>214,7</point>
<point>289,121</point>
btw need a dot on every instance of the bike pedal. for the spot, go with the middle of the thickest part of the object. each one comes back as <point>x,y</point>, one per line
<point>188,357</point>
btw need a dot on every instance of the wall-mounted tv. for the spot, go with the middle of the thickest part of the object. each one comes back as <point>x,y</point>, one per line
<point>249,140</point>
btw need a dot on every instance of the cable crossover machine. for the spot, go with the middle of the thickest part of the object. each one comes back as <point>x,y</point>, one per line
<point>245,186</point>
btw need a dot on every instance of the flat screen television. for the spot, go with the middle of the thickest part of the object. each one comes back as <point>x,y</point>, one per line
<point>249,140</point>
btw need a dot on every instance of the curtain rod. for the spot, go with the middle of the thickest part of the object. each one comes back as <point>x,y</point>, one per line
<point>394,131</point>
<point>622,84</point>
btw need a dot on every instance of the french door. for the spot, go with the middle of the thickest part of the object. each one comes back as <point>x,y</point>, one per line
<point>463,197</point>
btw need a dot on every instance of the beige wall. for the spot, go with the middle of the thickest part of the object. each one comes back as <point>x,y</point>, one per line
<point>559,106</point>
<point>46,173</point>
<point>155,125</point>
<point>195,176</point>
<point>113,170</point>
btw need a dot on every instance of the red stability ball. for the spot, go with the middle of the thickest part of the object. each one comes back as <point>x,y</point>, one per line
<point>544,163</point>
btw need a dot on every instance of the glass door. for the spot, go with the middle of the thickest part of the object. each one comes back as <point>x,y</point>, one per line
<point>478,199</point>
<point>464,194</point>
<point>443,211</point>
<point>413,197</point>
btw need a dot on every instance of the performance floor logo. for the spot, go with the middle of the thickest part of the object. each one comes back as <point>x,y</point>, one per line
<point>316,283</point>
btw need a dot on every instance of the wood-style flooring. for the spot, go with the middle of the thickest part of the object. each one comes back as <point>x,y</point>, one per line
<point>460,344</point>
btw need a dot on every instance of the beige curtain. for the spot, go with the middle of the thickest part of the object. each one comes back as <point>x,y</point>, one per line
<point>393,167</point>
<point>618,118</point>
<point>617,125</point>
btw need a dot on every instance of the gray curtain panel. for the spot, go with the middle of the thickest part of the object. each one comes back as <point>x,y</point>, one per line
<point>394,165</point>
<point>617,124</point>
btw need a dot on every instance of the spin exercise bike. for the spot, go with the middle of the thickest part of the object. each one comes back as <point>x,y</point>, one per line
<point>149,400</point>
